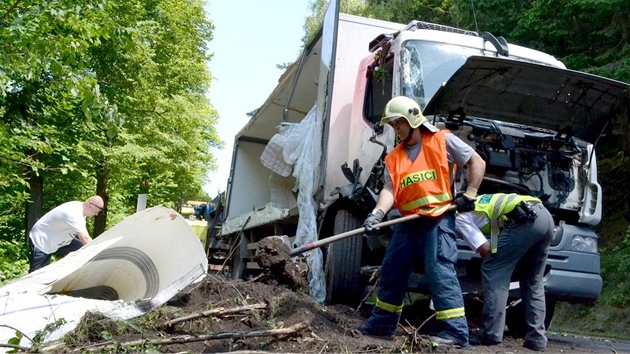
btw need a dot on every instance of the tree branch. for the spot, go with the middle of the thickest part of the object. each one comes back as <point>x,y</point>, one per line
<point>17,330</point>
<point>221,311</point>
<point>18,347</point>
<point>189,339</point>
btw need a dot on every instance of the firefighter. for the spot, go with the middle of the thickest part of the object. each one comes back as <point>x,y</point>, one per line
<point>520,229</point>
<point>419,180</point>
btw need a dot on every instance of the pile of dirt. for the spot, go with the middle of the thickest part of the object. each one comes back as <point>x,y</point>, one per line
<point>218,315</point>
<point>259,315</point>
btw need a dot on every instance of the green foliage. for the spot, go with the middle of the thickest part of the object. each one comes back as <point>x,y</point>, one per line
<point>403,11</point>
<point>102,93</point>
<point>612,164</point>
<point>616,267</point>
<point>40,336</point>
<point>96,327</point>
<point>163,144</point>
<point>15,340</point>
<point>13,260</point>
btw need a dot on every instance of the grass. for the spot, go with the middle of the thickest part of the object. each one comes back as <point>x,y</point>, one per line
<point>610,315</point>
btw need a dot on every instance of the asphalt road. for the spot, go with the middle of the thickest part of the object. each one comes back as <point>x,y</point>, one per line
<point>599,345</point>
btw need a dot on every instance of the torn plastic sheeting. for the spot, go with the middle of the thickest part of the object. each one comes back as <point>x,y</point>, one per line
<point>281,191</point>
<point>300,146</point>
<point>129,270</point>
<point>273,156</point>
<point>304,148</point>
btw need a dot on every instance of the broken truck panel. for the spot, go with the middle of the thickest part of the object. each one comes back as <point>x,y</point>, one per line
<point>345,139</point>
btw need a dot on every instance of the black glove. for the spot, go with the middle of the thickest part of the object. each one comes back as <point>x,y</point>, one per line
<point>464,203</point>
<point>372,219</point>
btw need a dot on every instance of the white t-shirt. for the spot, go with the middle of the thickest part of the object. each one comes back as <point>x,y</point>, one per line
<point>58,227</point>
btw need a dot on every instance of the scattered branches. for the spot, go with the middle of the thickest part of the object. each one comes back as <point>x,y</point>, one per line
<point>170,325</point>
<point>189,338</point>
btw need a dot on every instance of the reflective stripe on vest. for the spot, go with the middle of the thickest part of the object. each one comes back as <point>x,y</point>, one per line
<point>495,206</point>
<point>388,307</point>
<point>432,199</point>
<point>422,186</point>
<point>448,314</point>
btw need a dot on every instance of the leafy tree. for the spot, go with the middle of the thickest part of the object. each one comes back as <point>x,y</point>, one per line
<point>94,91</point>
<point>499,17</point>
<point>165,71</point>
<point>44,87</point>
<point>587,35</point>
<point>313,22</point>
<point>403,11</point>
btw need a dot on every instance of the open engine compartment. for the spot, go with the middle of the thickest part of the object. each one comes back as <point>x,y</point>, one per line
<point>527,160</point>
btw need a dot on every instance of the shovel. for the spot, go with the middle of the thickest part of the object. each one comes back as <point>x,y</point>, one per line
<point>275,251</point>
<point>341,236</point>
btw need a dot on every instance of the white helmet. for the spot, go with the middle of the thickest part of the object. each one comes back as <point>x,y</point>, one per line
<point>403,106</point>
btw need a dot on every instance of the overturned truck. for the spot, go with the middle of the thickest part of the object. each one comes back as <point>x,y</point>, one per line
<point>310,161</point>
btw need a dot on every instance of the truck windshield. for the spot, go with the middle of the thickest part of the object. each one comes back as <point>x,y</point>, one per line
<point>425,66</point>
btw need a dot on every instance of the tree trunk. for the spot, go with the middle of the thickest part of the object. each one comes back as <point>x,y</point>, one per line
<point>102,182</point>
<point>625,120</point>
<point>34,209</point>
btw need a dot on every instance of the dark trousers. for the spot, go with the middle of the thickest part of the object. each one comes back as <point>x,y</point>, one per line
<point>38,259</point>
<point>433,241</point>
<point>525,244</point>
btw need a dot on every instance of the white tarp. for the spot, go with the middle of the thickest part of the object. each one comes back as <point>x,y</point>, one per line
<point>129,270</point>
<point>299,146</point>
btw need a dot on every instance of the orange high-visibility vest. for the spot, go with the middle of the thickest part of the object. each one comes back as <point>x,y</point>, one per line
<point>422,186</point>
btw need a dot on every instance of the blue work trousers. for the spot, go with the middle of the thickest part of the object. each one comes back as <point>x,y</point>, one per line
<point>431,240</point>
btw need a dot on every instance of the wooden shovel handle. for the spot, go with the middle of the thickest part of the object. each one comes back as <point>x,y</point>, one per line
<point>331,239</point>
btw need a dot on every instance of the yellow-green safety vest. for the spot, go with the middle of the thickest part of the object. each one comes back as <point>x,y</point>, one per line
<point>495,206</point>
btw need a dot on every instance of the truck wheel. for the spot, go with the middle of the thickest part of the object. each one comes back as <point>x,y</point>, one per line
<point>515,318</point>
<point>343,263</point>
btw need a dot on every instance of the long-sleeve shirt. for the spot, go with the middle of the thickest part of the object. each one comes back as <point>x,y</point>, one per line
<point>469,226</point>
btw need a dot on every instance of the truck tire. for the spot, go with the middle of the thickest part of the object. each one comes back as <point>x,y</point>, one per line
<point>343,263</point>
<point>515,318</point>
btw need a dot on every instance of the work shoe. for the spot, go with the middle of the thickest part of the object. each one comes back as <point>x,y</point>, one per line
<point>442,341</point>
<point>367,330</point>
<point>446,342</point>
<point>477,340</point>
<point>532,346</point>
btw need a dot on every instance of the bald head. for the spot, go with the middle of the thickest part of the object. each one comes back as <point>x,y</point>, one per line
<point>93,205</point>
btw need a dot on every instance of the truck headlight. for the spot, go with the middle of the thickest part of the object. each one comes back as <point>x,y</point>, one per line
<point>584,244</point>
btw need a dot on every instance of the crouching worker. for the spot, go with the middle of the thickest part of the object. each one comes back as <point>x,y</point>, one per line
<point>61,231</point>
<point>418,180</point>
<point>520,229</point>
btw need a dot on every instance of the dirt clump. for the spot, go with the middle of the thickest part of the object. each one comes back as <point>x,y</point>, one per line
<point>274,258</point>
